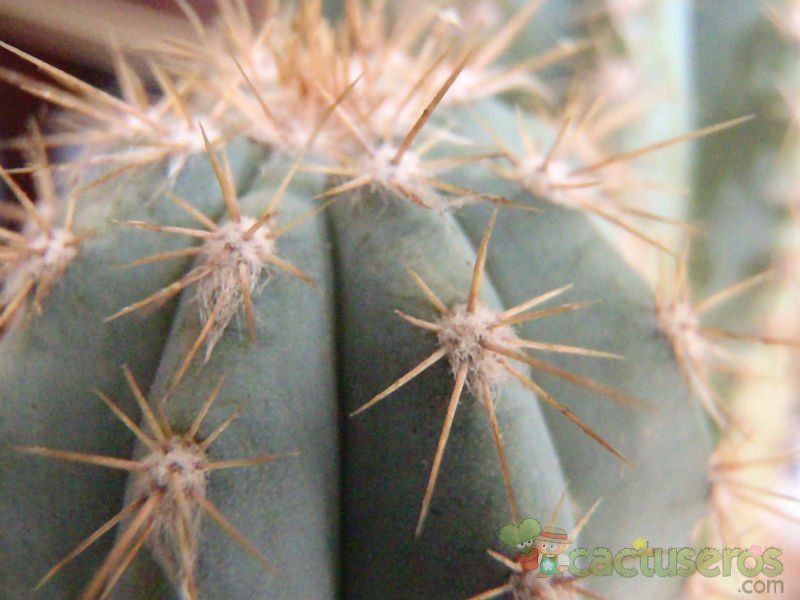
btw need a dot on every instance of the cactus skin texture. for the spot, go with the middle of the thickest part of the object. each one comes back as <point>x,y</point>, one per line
<point>388,214</point>
<point>38,357</point>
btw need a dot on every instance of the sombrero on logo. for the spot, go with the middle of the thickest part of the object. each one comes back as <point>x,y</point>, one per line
<point>554,534</point>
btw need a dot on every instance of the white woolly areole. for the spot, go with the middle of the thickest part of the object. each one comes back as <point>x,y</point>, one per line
<point>57,249</point>
<point>294,122</point>
<point>225,252</point>
<point>188,138</point>
<point>174,130</point>
<point>264,68</point>
<point>617,79</point>
<point>461,335</point>
<point>191,138</point>
<point>52,254</point>
<point>541,181</point>
<point>406,171</point>
<point>178,138</point>
<point>179,455</point>
<point>407,174</point>
<point>679,322</point>
<point>184,458</point>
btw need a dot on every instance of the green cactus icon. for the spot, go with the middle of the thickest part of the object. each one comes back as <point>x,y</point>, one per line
<point>520,536</point>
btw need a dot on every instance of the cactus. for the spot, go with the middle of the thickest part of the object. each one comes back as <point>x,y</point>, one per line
<point>331,306</point>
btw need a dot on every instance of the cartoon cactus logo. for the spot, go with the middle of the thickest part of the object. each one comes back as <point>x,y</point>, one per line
<point>520,536</point>
<point>331,206</point>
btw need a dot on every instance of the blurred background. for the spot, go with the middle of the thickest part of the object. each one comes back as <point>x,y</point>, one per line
<point>74,35</point>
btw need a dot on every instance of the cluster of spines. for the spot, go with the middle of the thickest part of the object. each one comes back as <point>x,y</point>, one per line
<point>168,493</point>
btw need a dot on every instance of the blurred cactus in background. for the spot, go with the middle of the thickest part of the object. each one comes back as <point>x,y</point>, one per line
<point>393,288</point>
